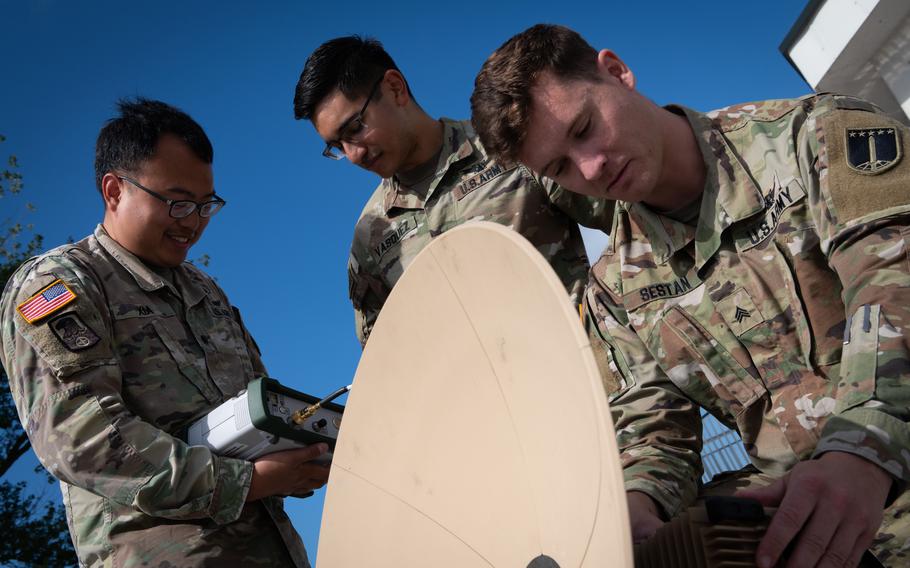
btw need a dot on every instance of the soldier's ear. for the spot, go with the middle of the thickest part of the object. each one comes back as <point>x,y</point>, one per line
<point>111,191</point>
<point>609,64</point>
<point>397,87</point>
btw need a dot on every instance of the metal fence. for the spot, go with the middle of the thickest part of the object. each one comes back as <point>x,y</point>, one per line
<point>723,449</point>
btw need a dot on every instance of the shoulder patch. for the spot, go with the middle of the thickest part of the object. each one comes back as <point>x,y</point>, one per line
<point>872,151</point>
<point>50,299</point>
<point>865,169</point>
<point>72,332</point>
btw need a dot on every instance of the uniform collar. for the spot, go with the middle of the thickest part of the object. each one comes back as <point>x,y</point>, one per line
<point>457,146</point>
<point>147,279</point>
<point>730,195</point>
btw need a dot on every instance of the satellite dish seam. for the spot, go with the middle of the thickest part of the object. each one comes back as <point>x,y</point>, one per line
<point>600,467</point>
<point>421,513</point>
<point>585,348</point>
<point>488,353</point>
<point>502,396</point>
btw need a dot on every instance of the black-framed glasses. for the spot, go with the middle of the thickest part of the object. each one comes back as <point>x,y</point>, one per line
<point>180,208</point>
<point>353,131</point>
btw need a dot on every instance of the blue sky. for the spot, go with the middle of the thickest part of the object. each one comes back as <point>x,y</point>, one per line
<point>280,247</point>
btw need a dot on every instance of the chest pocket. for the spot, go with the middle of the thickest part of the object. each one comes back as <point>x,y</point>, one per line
<point>163,373</point>
<point>782,273</point>
<point>226,354</point>
<point>791,363</point>
<point>789,339</point>
<point>703,366</point>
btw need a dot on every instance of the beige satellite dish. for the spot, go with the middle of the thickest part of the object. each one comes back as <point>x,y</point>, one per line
<point>477,432</point>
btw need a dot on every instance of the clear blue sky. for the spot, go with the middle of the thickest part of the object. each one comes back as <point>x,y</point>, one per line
<point>233,66</point>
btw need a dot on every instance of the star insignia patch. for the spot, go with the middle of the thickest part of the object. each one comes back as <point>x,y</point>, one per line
<point>872,151</point>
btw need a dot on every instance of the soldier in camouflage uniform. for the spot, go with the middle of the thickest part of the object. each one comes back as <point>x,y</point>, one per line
<point>435,176</point>
<point>758,267</point>
<point>113,346</point>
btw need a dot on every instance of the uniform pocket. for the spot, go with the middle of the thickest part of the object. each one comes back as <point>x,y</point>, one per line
<point>701,366</point>
<point>616,376</point>
<point>817,291</point>
<point>765,314</point>
<point>164,379</point>
<point>89,518</point>
<point>187,363</point>
<point>227,357</point>
<point>161,383</point>
<point>859,363</point>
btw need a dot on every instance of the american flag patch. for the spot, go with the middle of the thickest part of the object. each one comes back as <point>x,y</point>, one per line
<point>46,302</point>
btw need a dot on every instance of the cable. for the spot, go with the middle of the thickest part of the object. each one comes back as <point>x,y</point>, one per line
<point>301,415</point>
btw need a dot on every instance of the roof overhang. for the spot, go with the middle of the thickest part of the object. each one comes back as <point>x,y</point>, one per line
<point>856,47</point>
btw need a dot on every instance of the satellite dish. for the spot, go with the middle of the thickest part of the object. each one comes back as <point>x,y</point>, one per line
<point>477,432</point>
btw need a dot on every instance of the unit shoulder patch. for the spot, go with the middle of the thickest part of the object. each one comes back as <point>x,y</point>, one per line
<point>72,332</point>
<point>50,299</point>
<point>872,151</point>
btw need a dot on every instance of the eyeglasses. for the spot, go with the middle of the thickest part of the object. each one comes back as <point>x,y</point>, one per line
<point>352,131</point>
<point>181,208</point>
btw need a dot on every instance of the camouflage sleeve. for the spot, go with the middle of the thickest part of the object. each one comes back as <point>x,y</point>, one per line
<point>658,429</point>
<point>590,212</point>
<point>69,398</point>
<point>609,374</point>
<point>863,221</point>
<point>366,302</point>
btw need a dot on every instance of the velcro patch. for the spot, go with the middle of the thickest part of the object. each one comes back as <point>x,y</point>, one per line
<point>740,312</point>
<point>49,300</point>
<point>72,332</point>
<point>863,176</point>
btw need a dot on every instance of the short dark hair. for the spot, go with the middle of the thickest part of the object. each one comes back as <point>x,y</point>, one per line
<point>131,138</point>
<point>501,101</point>
<point>352,64</point>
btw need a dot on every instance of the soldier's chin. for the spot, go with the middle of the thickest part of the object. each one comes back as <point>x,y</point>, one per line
<point>173,260</point>
<point>174,253</point>
<point>379,167</point>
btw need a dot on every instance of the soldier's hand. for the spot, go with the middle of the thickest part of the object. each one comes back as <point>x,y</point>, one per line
<point>643,515</point>
<point>831,508</point>
<point>288,473</point>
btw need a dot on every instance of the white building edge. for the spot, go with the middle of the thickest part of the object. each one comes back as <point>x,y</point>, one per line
<point>855,47</point>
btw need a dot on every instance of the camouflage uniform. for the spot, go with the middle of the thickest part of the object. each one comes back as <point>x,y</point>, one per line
<point>397,223</point>
<point>785,312</point>
<point>104,387</point>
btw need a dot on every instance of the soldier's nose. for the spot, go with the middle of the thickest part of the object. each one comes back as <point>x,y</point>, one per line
<point>591,167</point>
<point>354,151</point>
<point>191,221</point>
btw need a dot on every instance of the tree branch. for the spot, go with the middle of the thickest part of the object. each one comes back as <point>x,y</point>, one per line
<point>18,448</point>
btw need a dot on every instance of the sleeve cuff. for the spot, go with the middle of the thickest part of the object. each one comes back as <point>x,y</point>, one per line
<point>872,435</point>
<point>231,488</point>
<point>669,503</point>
